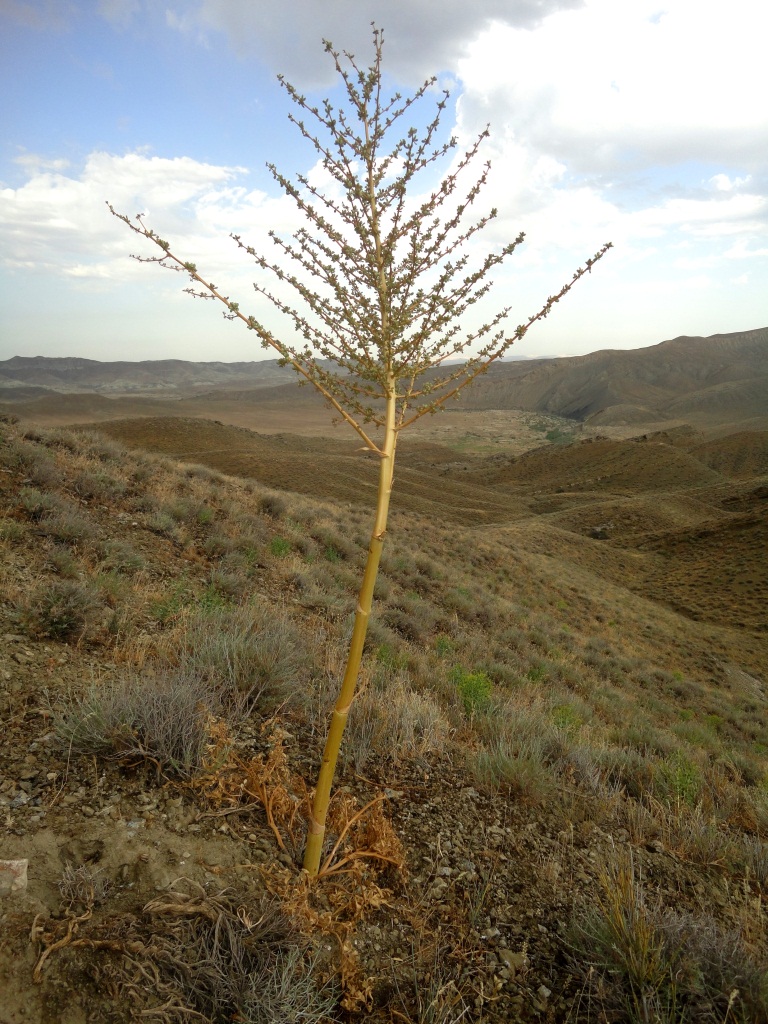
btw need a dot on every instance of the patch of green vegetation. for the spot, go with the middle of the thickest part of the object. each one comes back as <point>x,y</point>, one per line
<point>213,598</point>
<point>679,779</point>
<point>566,717</point>
<point>444,646</point>
<point>474,688</point>
<point>558,436</point>
<point>388,656</point>
<point>168,607</point>
<point>280,547</point>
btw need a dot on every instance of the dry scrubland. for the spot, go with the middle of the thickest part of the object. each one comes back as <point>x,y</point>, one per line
<point>554,796</point>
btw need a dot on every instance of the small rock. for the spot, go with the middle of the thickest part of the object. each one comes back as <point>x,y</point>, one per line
<point>543,993</point>
<point>13,876</point>
<point>437,888</point>
<point>514,961</point>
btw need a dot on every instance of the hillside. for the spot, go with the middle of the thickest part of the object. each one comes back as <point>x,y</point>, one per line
<point>722,379</point>
<point>149,376</point>
<point>562,726</point>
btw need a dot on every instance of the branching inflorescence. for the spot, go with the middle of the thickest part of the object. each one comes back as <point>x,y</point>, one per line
<point>382,279</point>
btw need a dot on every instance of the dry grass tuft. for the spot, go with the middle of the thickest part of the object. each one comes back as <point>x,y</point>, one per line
<point>165,719</point>
<point>657,966</point>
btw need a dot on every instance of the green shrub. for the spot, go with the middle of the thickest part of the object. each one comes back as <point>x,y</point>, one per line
<point>390,657</point>
<point>475,690</point>
<point>168,607</point>
<point>677,778</point>
<point>444,646</point>
<point>280,547</point>
<point>566,717</point>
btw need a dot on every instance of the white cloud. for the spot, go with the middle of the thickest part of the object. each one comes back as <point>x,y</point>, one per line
<point>608,86</point>
<point>58,221</point>
<point>422,37</point>
<point>725,184</point>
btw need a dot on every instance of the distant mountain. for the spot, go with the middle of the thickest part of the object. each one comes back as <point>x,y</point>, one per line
<point>72,374</point>
<point>723,377</point>
<point>720,379</point>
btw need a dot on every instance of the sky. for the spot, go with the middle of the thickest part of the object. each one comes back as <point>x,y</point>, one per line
<point>640,122</point>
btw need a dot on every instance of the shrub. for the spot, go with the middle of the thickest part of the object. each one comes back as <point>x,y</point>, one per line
<point>105,449</point>
<point>218,544</point>
<point>394,721</point>
<point>444,646</point>
<point>230,956</point>
<point>170,604</point>
<point>62,609</point>
<point>249,654</point>
<point>37,504</point>
<point>100,486</point>
<point>520,770</point>
<point>677,778</point>
<point>62,562</point>
<point>280,547</point>
<point>12,531</point>
<point>45,473</point>
<point>474,689</point>
<point>273,506</point>
<point>390,657</point>
<point>120,556</point>
<point>658,965</point>
<point>69,526</point>
<point>164,718</point>
<point>164,525</point>
<point>229,584</point>
<point>21,456</point>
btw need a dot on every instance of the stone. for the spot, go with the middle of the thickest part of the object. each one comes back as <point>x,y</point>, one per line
<point>513,961</point>
<point>13,876</point>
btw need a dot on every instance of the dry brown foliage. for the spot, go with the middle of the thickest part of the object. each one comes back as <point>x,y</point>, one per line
<point>347,887</point>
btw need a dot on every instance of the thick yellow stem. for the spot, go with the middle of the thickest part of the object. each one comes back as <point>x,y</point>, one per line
<point>316,835</point>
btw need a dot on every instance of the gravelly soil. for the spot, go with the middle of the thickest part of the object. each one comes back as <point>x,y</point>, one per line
<point>489,889</point>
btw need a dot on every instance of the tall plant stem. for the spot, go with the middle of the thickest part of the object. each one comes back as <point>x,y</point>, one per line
<point>314,847</point>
